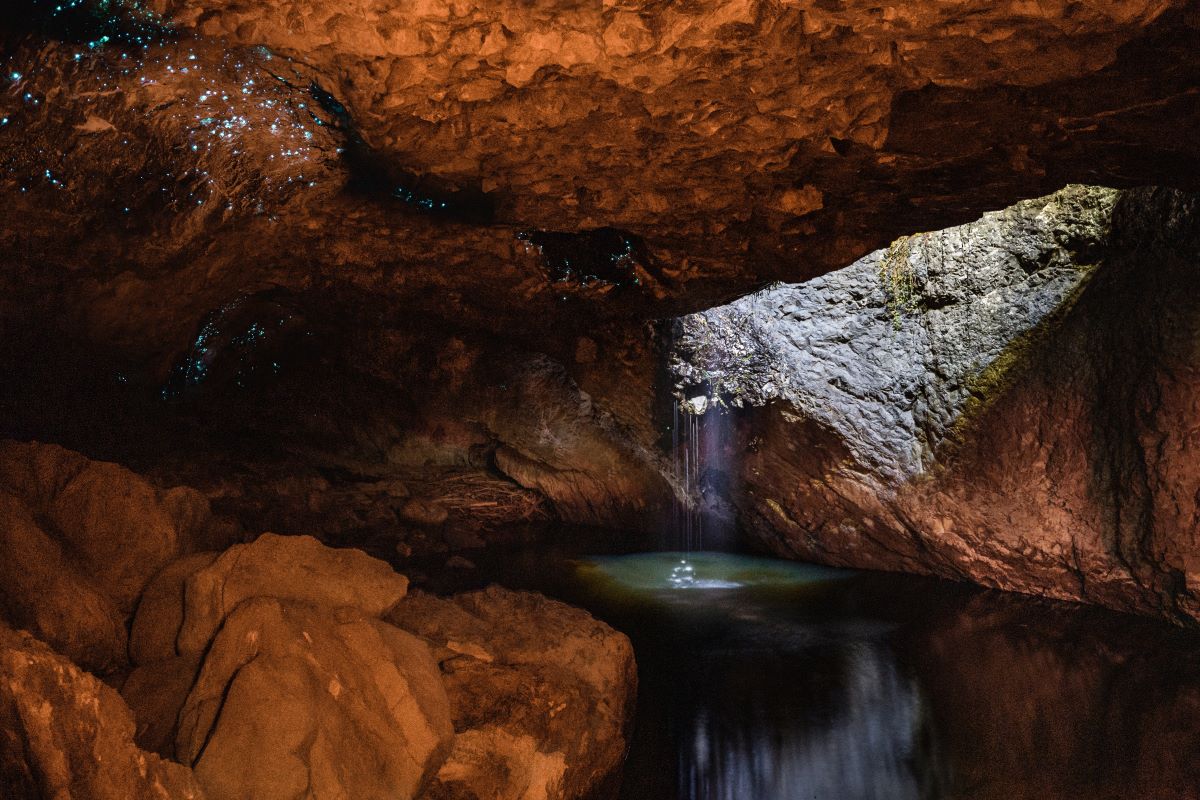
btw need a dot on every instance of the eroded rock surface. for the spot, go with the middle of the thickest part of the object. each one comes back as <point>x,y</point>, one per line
<point>541,694</point>
<point>304,688</point>
<point>66,735</point>
<point>81,539</point>
<point>1002,421</point>
<point>401,148</point>
<point>294,700</point>
<point>285,567</point>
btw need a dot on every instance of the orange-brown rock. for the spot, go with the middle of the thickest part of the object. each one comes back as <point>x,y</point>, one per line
<point>159,615</point>
<point>80,540</point>
<point>541,694</point>
<point>294,699</point>
<point>386,155</point>
<point>286,568</point>
<point>66,735</point>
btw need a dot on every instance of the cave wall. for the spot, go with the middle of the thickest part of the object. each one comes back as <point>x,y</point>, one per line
<point>465,216</point>
<point>1024,419</point>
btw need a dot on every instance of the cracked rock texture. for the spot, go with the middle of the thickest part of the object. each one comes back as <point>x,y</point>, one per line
<point>1006,424</point>
<point>390,210</point>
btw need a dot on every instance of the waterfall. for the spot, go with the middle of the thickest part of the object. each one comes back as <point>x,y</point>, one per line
<point>687,518</point>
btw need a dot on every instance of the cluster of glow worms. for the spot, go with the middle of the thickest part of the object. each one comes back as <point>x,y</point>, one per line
<point>238,96</point>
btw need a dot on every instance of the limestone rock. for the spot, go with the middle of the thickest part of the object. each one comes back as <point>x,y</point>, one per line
<point>293,699</point>
<point>555,441</point>
<point>742,142</point>
<point>79,540</point>
<point>43,591</point>
<point>1004,423</point>
<point>287,568</point>
<point>542,694</point>
<point>159,613</point>
<point>66,735</point>
<point>112,521</point>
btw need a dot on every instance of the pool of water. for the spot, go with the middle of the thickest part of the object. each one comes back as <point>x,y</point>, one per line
<point>770,680</point>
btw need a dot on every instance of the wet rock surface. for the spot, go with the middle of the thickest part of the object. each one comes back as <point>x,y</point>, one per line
<point>1006,425</point>
<point>1007,680</point>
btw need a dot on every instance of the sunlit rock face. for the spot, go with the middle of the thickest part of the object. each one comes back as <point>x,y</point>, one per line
<point>976,403</point>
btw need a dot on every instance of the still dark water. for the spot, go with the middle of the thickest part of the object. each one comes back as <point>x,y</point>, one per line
<point>768,680</point>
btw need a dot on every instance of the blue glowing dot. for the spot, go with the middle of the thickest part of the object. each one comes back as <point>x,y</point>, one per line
<point>16,76</point>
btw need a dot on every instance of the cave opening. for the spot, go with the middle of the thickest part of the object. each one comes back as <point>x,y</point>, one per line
<point>562,402</point>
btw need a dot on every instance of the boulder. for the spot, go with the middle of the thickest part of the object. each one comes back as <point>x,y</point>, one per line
<point>287,568</point>
<point>118,526</point>
<point>155,693</point>
<point>160,611</point>
<point>542,694</point>
<point>66,735</point>
<point>79,540</point>
<point>295,700</point>
<point>43,590</point>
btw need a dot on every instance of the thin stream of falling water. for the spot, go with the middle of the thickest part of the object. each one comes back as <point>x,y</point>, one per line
<point>686,517</point>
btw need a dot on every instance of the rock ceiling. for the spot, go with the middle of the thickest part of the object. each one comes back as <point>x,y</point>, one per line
<point>425,158</point>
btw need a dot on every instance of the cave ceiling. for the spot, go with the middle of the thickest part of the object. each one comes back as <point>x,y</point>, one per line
<point>520,166</point>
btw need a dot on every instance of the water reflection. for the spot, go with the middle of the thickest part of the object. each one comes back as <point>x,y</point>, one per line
<point>853,738</point>
<point>769,680</point>
<point>797,682</point>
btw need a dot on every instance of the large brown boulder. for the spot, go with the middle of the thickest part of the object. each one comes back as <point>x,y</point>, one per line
<point>542,694</point>
<point>288,568</point>
<point>65,735</point>
<point>43,590</point>
<point>111,520</point>
<point>295,700</point>
<point>266,668</point>
<point>79,540</point>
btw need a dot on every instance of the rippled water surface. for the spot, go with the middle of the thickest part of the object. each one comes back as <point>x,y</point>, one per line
<point>771,680</point>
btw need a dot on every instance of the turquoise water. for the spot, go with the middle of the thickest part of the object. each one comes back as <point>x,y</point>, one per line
<point>657,575</point>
